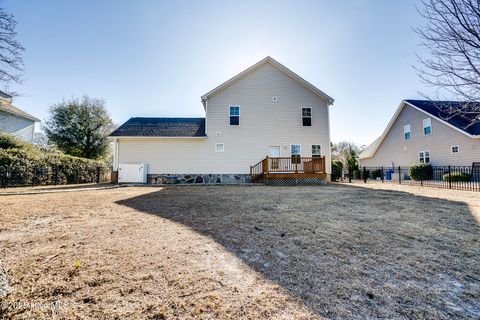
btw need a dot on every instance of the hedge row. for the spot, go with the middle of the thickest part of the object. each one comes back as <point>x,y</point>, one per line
<point>22,164</point>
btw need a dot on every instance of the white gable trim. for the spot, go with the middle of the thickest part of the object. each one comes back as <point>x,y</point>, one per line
<point>280,67</point>
<point>373,148</point>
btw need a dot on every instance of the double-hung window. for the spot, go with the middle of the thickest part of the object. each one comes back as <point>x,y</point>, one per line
<point>234,115</point>
<point>406,132</point>
<point>424,156</point>
<point>295,150</point>
<point>427,126</point>
<point>316,151</point>
<point>307,117</point>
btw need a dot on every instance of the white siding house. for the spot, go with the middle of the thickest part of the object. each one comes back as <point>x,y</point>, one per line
<point>14,121</point>
<point>420,132</point>
<point>263,111</point>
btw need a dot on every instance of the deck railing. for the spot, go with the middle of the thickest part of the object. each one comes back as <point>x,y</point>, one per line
<point>288,165</point>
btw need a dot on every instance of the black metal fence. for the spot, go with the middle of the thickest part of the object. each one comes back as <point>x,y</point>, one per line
<point>55,175</point>
<point>447,177</point>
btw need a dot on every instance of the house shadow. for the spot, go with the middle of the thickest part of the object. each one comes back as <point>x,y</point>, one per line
<point>344,251</point>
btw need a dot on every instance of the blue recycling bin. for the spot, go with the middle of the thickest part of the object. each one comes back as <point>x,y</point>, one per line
<point>388,174</point>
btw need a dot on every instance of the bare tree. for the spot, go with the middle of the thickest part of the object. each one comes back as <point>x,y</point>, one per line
<point>452,35</point>
<point>346,152</point>
<point>11,60</point>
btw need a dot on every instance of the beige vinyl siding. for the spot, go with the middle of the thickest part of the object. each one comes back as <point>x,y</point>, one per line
<point>395,149</point>
<point>263,123</point>
<point>18,127</point>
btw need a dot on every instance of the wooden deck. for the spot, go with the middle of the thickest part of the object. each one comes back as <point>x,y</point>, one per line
<point>289,168</point>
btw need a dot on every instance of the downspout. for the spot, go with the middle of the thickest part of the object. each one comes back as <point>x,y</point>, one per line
<point>115,154</point>
<point>206,118</point>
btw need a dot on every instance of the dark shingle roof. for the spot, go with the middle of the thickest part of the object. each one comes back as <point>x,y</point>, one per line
<point>439,109</point>
<point>161,127</point>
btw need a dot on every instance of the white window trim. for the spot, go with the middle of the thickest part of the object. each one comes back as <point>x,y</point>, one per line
<point>405,131</point>
<point>451,149</point>
<point>295,144</point>
<point>316,144</point>
<point>311,116</point>
<point>217,147</point>
<point>430,125</point>
<point>424,156</point>
<point>229,115</point>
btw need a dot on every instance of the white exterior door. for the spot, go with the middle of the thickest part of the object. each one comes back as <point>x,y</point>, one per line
<point>132,172</point>
<point>274,151</point>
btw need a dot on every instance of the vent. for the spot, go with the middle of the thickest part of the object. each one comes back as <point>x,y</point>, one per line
<point>218,133</point>
<point>274,99</point>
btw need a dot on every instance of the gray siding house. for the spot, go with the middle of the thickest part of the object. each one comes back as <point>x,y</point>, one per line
<point>422,131</point>
<point>14,121</point>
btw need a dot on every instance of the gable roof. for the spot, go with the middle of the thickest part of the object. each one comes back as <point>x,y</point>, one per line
<point>436,109</point>
<point>9,108</point>
<point>161,127</point>
<point>439,109</point>
<point>280,67</point>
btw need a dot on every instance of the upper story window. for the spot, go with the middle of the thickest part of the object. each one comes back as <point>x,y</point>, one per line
<point>424,156</point>
<point>406,132</point>
<point>307,117</point>
<point>234,115</point>
<point>316,151</point>
<point>455,149</point>
<point>427,126</point>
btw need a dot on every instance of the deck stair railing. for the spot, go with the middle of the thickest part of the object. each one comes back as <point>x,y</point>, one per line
<point>292,164</point>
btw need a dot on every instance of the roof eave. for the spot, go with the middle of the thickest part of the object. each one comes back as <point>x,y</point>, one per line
<point>157,137</point>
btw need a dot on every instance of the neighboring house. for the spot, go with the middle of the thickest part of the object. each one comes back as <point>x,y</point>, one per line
<point>14,121</point>
<point>266,110</point>
<point>422,132</point>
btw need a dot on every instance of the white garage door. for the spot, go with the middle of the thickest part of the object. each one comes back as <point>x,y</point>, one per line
<point>132,172</point>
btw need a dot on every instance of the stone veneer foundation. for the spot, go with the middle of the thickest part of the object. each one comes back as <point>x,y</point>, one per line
<point>198,178</point>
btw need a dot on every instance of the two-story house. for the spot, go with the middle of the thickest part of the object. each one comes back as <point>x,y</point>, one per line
<point>14,121</point>
<point>265,111</point>
<point>423,131</point>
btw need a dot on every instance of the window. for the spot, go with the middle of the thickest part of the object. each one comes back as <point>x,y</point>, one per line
<point>424,156</point>
<point>427,126</point>
<point>295,153</point>
<point>455,149</point>
<point>234,115</point>
<point>219,147</point>
<point>307,117</point>
<point>406,132</point>
<point>316,151</point>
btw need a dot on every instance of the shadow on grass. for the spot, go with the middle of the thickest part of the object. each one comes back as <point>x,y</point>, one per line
<point>344,251</point>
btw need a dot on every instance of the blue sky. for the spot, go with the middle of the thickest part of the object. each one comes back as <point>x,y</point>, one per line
<point>156,58</point>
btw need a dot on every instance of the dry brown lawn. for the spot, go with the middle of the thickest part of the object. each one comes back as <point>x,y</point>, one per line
<point>242,252</point>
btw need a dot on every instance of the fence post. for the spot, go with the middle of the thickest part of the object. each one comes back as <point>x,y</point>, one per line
<point>399,175</point>
<point>422,172</point>
<point>3,181</point>
<point>98,174</point>
<point>78,175</point>
<point>364,174</point>
<point>449,178</point>
<point>382,175</point>
<point>56,175</point>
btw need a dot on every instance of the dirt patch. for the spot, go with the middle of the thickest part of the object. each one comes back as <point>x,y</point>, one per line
<point>241,252</point>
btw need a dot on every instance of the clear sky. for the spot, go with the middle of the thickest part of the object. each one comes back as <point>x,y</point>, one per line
<point>156,58</point>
